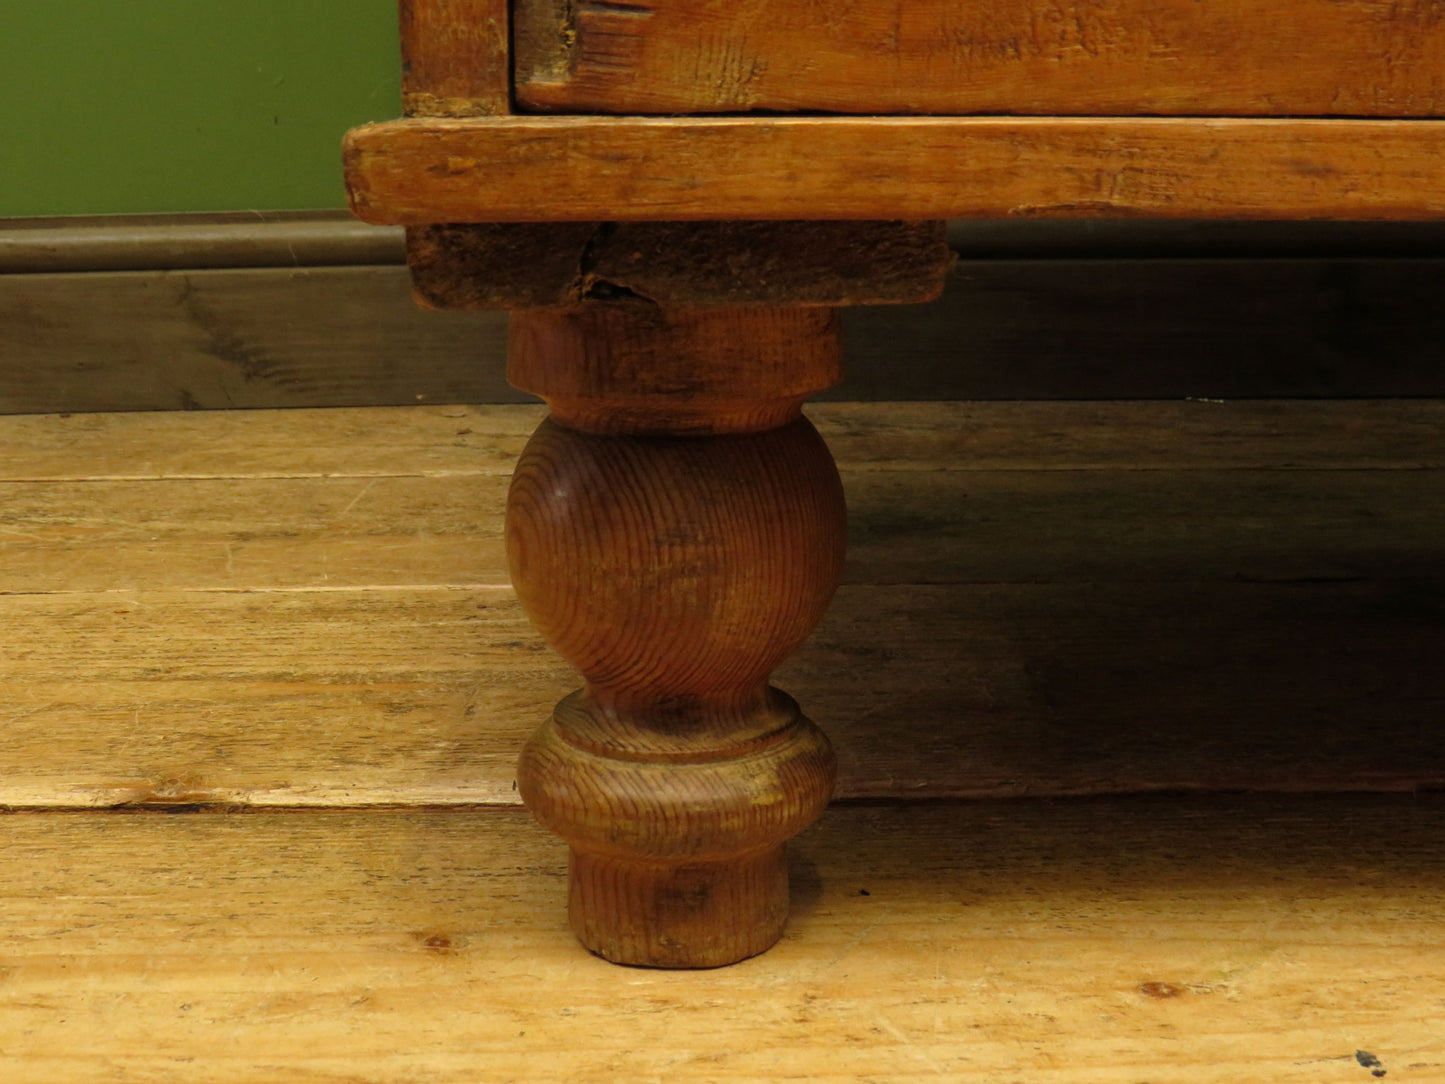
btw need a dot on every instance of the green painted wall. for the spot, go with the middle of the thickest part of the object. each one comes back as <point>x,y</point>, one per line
<point>121,106</point>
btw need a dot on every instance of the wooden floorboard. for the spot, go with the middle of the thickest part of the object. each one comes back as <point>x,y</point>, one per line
<point>290,631</point>
<point>905,527</point>
<point>939,493</point>
<point>355,442</point>
<point>443,441</point>
<point>366,697</point>
<point>1174,941</point>
<point>311,608</point>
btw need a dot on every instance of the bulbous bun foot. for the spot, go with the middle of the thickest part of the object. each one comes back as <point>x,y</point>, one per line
<point>675,530</point>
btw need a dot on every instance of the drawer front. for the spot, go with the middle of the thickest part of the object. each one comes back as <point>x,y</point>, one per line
<point>1359,58</point>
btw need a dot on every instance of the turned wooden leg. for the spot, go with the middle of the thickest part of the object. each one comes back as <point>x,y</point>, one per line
<point>676,528</point>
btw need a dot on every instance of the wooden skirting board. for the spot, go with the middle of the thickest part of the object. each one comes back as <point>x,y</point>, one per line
<point>198,241</point>
<point>1240,319</point>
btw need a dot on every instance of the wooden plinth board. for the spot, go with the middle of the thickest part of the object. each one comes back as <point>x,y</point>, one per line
<point>558,264</point>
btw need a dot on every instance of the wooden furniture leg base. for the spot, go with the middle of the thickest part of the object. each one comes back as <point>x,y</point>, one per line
<point>695,915</point>
<point>666,868</point>
<point>675,529</point>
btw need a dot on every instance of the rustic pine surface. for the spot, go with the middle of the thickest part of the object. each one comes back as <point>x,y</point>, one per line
<point>423,170</point>
<point>294,629</point>
<point>1237,57</point>
<point>1180,941</point>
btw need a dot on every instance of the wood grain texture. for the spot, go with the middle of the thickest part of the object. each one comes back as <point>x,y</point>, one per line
<point>1202,596</point>
<point>917,526</point>
<point>335,336</point>
<point>752,532</point>
<point>503,169</point>
<point>637,370</point>
<point>354,442</point>
<point>455,57</point>
<point>169,698</point>
<point>448,441</point>
<point>456,62</point>
<point>531,265</point>
<point>369,696</point>
<point>1004,329</point>
<point>675,529</point>
<point>1179,941</point>
<point>1238,57</point>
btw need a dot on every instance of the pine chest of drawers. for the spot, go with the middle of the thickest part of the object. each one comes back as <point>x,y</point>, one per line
<point>674,198</point>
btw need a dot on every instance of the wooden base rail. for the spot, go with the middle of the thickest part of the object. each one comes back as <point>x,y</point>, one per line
<point>531,169</point>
